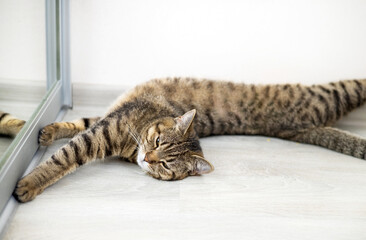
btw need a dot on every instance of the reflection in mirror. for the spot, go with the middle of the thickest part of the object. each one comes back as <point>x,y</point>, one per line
<point>10,125</point>
<point>22,64</point>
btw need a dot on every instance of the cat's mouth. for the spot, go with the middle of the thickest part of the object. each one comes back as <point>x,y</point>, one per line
<point>141,161</point>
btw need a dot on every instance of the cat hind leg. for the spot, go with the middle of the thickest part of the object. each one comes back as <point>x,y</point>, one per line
<point>333,139</point>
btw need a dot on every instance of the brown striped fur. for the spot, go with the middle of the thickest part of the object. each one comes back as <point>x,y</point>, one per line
<point>10,125</point>
<point>158,124</point>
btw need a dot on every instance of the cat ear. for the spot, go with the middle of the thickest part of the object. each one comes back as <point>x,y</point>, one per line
<point>201,166</point>
<point>185,121</point>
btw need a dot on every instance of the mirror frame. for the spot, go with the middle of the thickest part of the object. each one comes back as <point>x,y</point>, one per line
<point>24,152</point>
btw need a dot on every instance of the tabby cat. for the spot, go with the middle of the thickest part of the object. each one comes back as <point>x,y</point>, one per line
<point>158,124</point>
<point>10,125</point>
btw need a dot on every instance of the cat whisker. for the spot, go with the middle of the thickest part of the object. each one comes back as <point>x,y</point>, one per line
<point>134,136</point>
<point>135,139</point>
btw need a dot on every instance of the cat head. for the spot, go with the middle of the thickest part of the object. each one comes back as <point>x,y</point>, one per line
<point>170,149</point>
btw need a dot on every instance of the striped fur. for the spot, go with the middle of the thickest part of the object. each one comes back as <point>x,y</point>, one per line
<point>154,125</point>
<point>10,125</point>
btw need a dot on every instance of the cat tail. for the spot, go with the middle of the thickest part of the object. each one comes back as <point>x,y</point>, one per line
<point>333,139</point>
<point>10,125</point>
<point>101,140</point>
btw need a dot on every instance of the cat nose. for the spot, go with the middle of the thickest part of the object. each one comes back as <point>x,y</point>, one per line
<point>151,157</point>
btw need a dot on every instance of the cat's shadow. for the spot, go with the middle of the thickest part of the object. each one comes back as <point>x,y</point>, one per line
<point>6,136</point>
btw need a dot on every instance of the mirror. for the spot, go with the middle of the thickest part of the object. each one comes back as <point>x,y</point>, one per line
<point>23,72</point>
<point>34,83</point>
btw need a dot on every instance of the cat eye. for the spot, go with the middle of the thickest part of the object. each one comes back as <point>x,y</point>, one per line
<point>165,165</point>
<point>157,141</point>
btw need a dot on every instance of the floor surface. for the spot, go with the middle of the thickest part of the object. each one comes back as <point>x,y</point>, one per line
<point>262,188</point>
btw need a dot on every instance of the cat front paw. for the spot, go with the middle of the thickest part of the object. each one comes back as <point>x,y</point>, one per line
<point>26,190</point>
<point>47,135</point>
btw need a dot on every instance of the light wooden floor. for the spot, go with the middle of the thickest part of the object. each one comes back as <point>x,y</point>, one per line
<point>262,188</point>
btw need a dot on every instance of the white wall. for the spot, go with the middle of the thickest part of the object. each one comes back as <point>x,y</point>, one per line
<point>127,42</point>
<point>22,40</point>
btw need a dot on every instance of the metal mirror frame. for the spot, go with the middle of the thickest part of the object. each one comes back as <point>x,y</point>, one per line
<point>24,152</point>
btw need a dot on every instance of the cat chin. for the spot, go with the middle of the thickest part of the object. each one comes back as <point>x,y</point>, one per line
<point>141,162</point>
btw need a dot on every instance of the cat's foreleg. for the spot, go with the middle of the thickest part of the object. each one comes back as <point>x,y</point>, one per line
<point>333,139</point>
<point>10,125</point>
<point>59,130</point>
<point>100,141</point>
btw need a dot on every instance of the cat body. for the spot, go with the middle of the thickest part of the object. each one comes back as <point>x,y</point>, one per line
<point>158,125</point>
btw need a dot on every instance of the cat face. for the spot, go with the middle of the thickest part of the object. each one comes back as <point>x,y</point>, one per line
<point>170,150</point>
